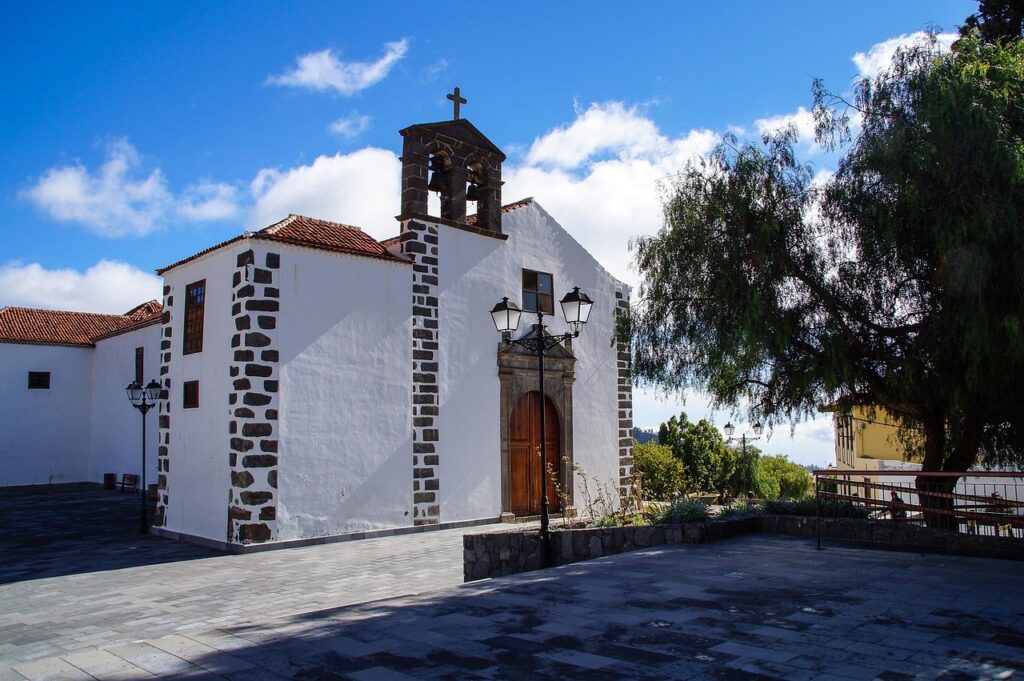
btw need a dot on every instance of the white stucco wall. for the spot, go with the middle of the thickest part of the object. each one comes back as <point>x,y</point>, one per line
<point>44,434</point>
<point>198,481</point>
<point>345,460</point>
<point>475,273</point>
<point>115,444</point>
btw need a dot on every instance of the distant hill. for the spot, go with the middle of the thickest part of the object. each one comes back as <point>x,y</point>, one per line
<point>644,436</point>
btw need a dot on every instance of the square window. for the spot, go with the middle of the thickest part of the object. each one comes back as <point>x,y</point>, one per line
<point>39,380</point>
<point>537,292</point>
<point>190,399</point>
<point>195,304</point>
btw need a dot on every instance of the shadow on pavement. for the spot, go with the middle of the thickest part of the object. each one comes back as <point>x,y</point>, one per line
<point>54,530</point>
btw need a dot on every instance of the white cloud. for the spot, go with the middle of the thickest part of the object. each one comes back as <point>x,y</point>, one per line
<point>878,58</point>
<point>208,201</point>
<point>360,189</point>
<point>351,126</point>
<point>434,71</point>
<point>599,175</point>
<point>122,199</point>
<point>116,200</point>
<point>801,119</point>
<point>323,70</point>
<point>108,286</point>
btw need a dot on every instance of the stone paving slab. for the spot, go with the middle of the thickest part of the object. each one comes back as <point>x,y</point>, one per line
<point>755,607</point>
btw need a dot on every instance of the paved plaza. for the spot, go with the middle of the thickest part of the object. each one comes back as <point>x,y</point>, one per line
<point>394,608</point>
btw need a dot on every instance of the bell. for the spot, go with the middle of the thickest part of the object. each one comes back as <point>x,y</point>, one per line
<point>436,183</point>
<point>472,193</point>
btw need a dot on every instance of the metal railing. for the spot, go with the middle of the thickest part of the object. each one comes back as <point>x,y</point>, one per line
<point>973,512</point>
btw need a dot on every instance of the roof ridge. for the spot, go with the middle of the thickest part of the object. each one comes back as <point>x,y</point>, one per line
<point>47,309</point>
<point>279,225</point>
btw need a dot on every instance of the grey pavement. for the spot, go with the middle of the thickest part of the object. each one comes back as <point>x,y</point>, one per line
<point>750,607</point>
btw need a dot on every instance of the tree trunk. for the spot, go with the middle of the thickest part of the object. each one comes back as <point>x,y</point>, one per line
<point>932,491</point>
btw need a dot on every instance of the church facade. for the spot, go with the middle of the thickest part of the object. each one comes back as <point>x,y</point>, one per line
<point>318,382</point>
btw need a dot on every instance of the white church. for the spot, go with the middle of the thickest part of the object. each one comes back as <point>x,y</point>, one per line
<point>318,382</point>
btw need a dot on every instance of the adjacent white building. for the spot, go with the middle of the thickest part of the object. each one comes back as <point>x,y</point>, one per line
<point>319,382</point>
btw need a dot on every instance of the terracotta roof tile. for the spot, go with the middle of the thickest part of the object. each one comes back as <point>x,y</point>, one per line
<point>300,230</point>
<point>60,327</point>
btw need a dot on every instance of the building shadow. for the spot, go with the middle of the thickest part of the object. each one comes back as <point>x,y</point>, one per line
<point>56,530</point>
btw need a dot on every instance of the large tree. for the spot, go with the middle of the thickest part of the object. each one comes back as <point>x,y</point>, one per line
<point>898,281</point>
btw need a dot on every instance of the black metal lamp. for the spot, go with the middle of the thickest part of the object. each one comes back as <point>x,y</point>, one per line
<point>576,306</point>
<point>143,399</point>
<point>506,316</point>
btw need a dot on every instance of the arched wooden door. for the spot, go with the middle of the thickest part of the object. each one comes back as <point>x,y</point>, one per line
<point>524,455</point>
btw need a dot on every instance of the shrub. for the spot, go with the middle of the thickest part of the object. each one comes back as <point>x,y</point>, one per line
<point>808,506</point>
<point>683,511</point>
<point>662,473</point>
<point>739,507</point>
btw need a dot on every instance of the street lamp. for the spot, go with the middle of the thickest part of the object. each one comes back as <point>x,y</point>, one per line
<point>576,307</point>
<point>143,399</point>
<point>729,429</point>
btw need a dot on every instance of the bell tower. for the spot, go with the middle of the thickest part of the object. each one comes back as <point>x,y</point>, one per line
<point>458,162</point>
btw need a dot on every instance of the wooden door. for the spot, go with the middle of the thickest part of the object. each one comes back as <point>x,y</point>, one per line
<point>524,454</point>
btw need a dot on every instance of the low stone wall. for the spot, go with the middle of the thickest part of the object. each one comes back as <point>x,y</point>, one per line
<point>514,550</point>
<point>517,549</point>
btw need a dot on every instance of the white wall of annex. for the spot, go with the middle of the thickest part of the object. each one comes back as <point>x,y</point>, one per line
<point>198,481</point>
<point>475,273</point>
<point>116,438</point>
<point>44,434</point>
<point>345,459</point>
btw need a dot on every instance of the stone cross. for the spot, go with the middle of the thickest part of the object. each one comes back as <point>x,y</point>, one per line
<point>457,99</point>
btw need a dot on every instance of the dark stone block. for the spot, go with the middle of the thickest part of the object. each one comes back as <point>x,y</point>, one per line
<point>430,323</point>
<point>424,498</point>
<point>265,321</point>
<point>259,460</point>
<point>232,398</point>
<point>239,513</point>
<point>232,459</point>
<point>242,384</point>
<point>257,429</point>
<point>254,533</point>
<point>420,288</point>
<point>423,472</point>
<point>247,291</point>
<point>414,247</point>
<point>255,498</point>
<point>430,435</point>
<point>270,386</point>
<point>165,317</point>
<point>242,478</point>
<point>271,292</point>
<point>428,366</point>
<point>236,279</point>
<point>273,260</point>
<point>232,371</point>
<point>270,414</point>
<point>240,445</point>
<point>268,445</point>
<point>245,258</point>
<point>255,399</point>
<point>163,422</point>
<point>429,411</point>
<point>268,513</point>
<point>244,413</point>
<point>424,378</point>
<point>429,279</point>
<point>422,422</point>
<point>262,305</point>
<point>257,340</point>
<point>243,323</point>
<point>430,484</point>
<point>244,355</point>
<point>258,370</point>
<point>424,388</point>
<point>431,459</point>
<point>423,334</point>
<point>167,289</point>
<point>165,345</point>
<point>424,399</point>
<point>236,309</point>
<point>423,448</point>
<point>420,355</point>
<point>269,355</point>
<point>272,478</point>
<point>236,340</point>
<point>260,276</point>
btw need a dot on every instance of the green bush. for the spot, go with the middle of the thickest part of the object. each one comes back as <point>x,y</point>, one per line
<point>739,507</point>
<point>662,473</point>
<point>808,506</point>
<point>683,511</point>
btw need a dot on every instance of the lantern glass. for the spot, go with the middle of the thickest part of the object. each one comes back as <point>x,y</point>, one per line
<point>758,428</point>
<point>576,307</point>
<point>152,391</point>
<point>729,429</point>
<point>506,316</point>
<point>134,392</point>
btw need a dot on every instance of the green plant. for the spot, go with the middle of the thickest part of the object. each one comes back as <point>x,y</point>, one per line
<point>683,511</point>
<point>739,507</point>
<point>662,473</point>
<point>808,506</point>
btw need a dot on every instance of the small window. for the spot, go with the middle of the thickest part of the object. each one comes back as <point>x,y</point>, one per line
<point>139,356</point>
<point>191,395</point>
<point>39,380</point>
<point>538,292</point>
<point>195,299</point>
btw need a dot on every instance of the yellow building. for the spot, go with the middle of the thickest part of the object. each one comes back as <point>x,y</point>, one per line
<point>868,439</point>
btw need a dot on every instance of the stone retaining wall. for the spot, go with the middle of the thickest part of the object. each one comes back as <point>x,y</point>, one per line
<point>517,549</point>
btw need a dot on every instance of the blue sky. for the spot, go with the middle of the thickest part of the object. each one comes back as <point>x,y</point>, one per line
<point>135,134</point>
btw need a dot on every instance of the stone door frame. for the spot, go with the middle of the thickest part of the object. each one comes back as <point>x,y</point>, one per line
<point>517,375</point>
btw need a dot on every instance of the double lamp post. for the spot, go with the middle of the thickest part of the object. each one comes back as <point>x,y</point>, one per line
<point>729,429</point>
<point>576,307</point>
<point>143,399</point>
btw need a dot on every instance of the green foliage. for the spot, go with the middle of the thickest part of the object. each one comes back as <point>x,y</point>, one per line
<point>739,507</point>
<point>996,20</point>
<point>778,477</point>
<point>895,282</point>
<point>662,474</point>
<point>683,511</point>
<point>808,506</point>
